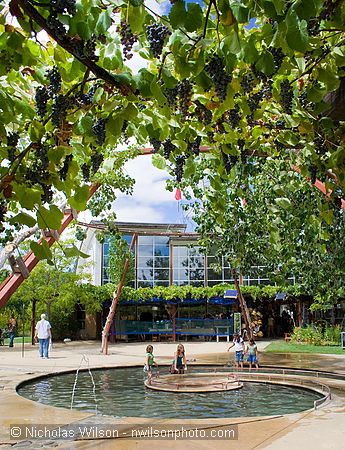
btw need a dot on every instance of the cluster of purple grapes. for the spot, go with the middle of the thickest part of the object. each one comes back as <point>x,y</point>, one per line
<point>156,35</point>
<point>12,142</point>
<point>286,96</point>
<point>171,95</point>
<point>233,117</point>
<point>63,6</point>
<point>96,161</point>
<point>179,165</point>
<point>156,144</point>
<point>85,99</point>
<point>329,8</point>
<point>278,57</point>
<point>83,49</point>
<point>128,39</point>
<point>60,7</point>
<point>41,99</point>
<point>253,103</point>
<point>185,96</point>
<point>47,195</point>
<point>99,129</point>
<point>85,170</point>
<point>38,172</point>
<point>124,131</point>
<point>64,169</point>
<point>194,147</point>
<point>313,173</point>
<point>216,70</point>
<point>320,147</point>
<point>168,148</point>
<point>59,109</point>
<point>203,113</point>
<point>54,81</point>
<point>248,83</point>
<point>229,161</point>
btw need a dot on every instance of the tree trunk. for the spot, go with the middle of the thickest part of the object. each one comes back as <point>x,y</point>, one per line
<point>243,306</point>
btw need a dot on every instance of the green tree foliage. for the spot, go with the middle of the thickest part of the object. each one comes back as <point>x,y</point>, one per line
<point>249,79</point>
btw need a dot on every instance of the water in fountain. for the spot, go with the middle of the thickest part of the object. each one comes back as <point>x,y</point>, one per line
<point>85,359</point>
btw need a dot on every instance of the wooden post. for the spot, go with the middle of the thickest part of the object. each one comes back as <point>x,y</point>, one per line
<point>112,310</point>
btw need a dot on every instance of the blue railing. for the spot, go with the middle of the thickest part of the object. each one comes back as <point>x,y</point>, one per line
<point>183,326</point>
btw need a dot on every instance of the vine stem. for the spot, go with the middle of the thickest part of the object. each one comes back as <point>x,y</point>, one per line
<point>66,43</point>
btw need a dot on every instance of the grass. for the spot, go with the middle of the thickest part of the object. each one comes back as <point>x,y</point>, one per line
<point>290,347</point>
<point>19,340</point>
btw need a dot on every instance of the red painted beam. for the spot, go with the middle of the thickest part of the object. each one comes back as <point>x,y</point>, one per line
<point>13,281</point>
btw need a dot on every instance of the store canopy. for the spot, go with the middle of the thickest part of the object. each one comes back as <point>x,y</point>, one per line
<point>280,296</point>
<point>230,293</point>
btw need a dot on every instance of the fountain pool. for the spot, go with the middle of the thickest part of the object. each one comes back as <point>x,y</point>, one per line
<point>121,392</point>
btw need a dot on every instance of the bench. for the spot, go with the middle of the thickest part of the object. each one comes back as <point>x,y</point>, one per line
<point>287,337</point>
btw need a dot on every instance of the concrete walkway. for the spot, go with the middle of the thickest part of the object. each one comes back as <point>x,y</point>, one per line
<point>320,429</point>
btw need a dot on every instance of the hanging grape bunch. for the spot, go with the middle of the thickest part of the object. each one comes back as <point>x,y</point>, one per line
<point>247,83</point>
<point>171,95</point>
<point>59,109</point>
<point>178,171</point>
<point>203,113</point>
<point>128,39</point>
<point>85,169</point>
<point>216,70</point>
<point>63,6</point>
<point>156,35</point>
<point>99,129</point>
<point>41,99</point>
<point>194,147</point>
<point>233,117</point>
<point>286,96</point>
<point>313,172</point>
<point>64,170</point>
<point>156,144</point>
<point>54,81</point>
<point>168,148</point>
<point>96,161</point>
<point>185,96</point>
<point>229,161</point>
<point>278,57</point>
<point>12,142</point>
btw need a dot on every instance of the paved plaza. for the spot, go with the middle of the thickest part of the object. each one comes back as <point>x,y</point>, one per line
<point>319,429</point>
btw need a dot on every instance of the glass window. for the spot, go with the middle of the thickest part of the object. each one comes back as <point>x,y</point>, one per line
<point>145,250</point>
<point>145,262</point>
<point>145,240</point>
<point>161,262</point>
<point>161,274</point>
<point>180,251</point>
<point>145,274</point>
<point>161,250</point>
<point>162,240</point>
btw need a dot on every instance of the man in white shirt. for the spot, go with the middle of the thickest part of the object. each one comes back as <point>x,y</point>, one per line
<point>44,334</point>
<point>238,343</point>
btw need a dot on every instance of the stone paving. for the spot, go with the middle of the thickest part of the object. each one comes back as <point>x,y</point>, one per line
<point>320,429</point>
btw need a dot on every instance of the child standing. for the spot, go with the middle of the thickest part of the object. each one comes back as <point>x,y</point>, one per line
<point>149,362</point>
<point>252,351</point>
<point>179,364</point>
<point>238,343</point>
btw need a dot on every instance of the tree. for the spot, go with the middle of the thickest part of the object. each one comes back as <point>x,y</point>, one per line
<point>249,78</point>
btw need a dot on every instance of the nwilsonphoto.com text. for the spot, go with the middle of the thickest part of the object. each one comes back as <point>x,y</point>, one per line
<point>139,431</point>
